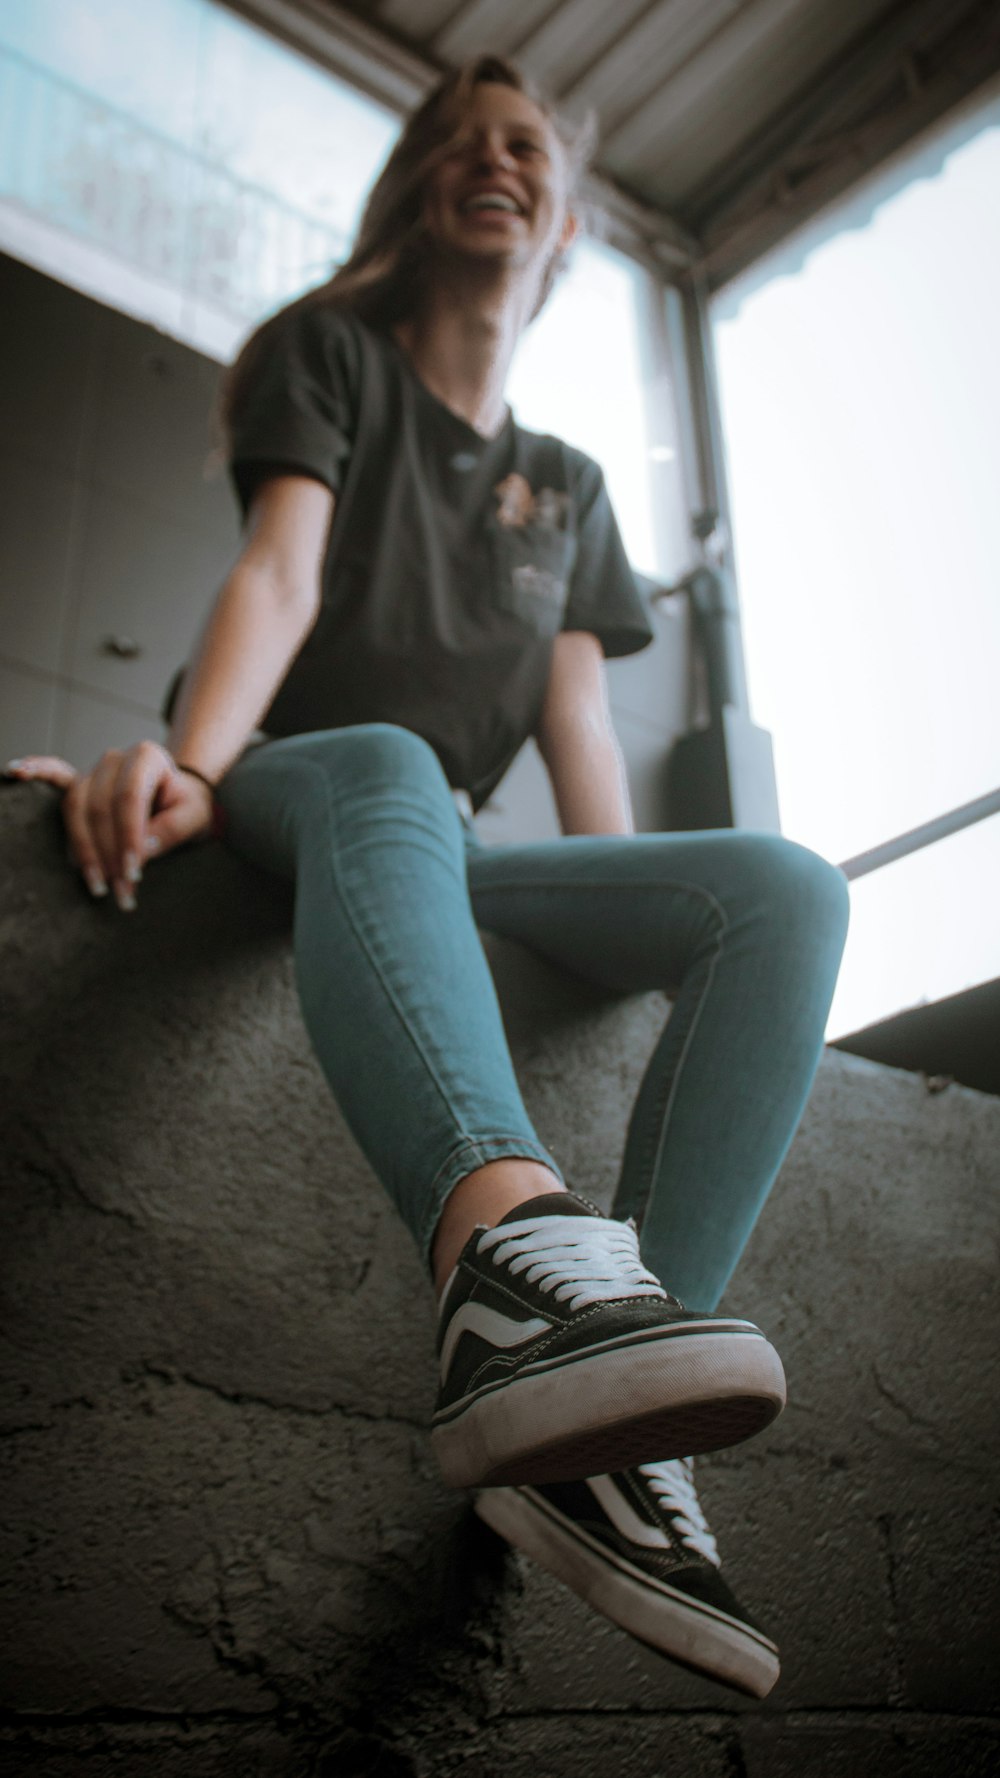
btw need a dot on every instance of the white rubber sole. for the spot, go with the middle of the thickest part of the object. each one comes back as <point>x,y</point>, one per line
<point>696,1635</point>
<point>672,1397</point>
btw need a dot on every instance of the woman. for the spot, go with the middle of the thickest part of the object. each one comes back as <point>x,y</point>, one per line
<point>422,586</point>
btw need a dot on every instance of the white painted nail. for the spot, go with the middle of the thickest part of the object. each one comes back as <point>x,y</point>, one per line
<point>95,882</point>
<point>133,869</point>
<point>153,842</point>
<point>13,765</point>
<point>124,897</point>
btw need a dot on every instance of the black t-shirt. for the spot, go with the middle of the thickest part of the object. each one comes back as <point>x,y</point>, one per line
<point>453,561</point>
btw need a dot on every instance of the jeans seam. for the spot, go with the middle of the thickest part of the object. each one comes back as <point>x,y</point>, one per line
<point>387,989</point>
<point>661,1116</point>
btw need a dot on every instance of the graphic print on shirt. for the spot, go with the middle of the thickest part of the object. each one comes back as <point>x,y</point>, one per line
<point>534,552</point>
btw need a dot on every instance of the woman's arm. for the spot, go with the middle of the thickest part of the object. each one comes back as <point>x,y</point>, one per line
<point>136,803</point>
<point>262,616</point>
<point>578,743</point>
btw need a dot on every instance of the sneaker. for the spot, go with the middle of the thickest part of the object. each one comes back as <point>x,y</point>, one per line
<point>562,1356</point>
<point>636,1547</point>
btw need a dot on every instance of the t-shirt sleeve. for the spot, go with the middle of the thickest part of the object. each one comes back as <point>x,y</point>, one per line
<point>604,596</point>
<point>294,413</point>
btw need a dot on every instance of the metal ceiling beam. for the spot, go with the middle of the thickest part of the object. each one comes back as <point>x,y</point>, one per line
<point>853,82</point>
<point>849,82</point>
<point>649,234</point>
<point>417,19</point>
<point>923,63</point>
<point>575,35</point>
<point>636,71</point>
<point>343,43</point>
<point>487,26</point>
<point>747,75</point>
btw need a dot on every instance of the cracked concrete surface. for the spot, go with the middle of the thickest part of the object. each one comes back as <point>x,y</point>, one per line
<point>225,1545</point>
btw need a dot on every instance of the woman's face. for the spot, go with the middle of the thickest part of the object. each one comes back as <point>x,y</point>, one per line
<point>501,191</point>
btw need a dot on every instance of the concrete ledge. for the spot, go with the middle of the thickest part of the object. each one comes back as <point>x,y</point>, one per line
<point>226,1547</point>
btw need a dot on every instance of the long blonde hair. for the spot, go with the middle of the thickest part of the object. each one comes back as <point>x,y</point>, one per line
<point>381,279</point>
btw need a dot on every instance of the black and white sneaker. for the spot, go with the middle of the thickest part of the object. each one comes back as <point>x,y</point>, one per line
<point>636,1547</point>
<point>562,1356</point>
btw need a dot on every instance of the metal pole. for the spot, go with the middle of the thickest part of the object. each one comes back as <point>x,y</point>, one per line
<point>918,837</point>
<point>721,775</point>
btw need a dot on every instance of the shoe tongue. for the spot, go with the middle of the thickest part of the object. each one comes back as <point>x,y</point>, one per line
<point>551,1204</point>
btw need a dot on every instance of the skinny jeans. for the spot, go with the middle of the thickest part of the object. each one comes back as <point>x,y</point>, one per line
<point>744,931</point>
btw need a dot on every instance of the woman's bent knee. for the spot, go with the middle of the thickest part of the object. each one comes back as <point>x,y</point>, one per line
<point>365,758</point>
<point>798,881</point>
<point>383,743</point>
<point>291,789</point>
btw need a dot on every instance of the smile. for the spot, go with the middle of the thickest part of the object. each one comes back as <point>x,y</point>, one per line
<point>491,200</point>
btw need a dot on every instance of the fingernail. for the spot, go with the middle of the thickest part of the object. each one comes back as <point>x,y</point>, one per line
<point>13,765</point>
<point>95,882</point>
<point>133,869</point>
<point>152,842</point>
<point>124,897</point>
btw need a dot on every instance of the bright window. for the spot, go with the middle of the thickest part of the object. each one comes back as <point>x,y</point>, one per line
<point>860,384</point>
<point>176,162</point>
<point>179,164</point>
<point>580,373</point>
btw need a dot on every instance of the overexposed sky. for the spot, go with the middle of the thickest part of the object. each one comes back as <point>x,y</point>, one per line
<point>861,401</point>
<point>215,85</point>
<point>578,372</point>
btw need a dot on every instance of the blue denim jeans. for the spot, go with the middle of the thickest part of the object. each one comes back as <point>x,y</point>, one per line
<point>744,931</point>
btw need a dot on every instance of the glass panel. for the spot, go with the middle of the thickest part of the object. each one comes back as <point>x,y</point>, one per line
<point>175,161</point>
<point>142,60</point>
<point>182,165</point>
<point>579,372</point>
<point>920,929</point>
<point>861,395</point>
<point>277,121</point>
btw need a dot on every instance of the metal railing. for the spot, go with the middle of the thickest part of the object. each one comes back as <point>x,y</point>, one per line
<point>715,612</point>
<point>177,215</point>
<point>926,834</point>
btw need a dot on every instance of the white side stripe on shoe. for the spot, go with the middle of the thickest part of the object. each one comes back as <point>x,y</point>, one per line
<point>624,1517</point>
<point>490,1325</point>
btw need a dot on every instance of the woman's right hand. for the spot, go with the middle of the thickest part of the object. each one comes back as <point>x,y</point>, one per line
<point>134,805</point>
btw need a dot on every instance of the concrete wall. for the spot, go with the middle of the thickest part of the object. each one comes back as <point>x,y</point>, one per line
<point>109,531</point>
<point>225,1546</point>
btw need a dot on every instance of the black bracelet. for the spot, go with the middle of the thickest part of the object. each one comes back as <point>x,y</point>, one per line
<point>193,772</point>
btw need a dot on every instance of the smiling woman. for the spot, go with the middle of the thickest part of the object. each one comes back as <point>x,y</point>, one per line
<point>479,108</point>
<point>503,186</point>
<point>424,585</point>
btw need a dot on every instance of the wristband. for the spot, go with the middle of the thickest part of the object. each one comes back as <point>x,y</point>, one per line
<point>218,826</point>
<point>193,772</point>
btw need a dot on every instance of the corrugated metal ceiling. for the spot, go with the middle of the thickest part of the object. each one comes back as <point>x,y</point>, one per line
<point>736,119</point>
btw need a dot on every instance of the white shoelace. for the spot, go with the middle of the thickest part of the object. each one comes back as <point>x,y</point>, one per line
<point>672,1484</point>
<point>581,1259</point>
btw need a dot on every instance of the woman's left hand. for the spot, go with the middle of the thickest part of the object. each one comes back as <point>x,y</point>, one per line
<point>132,806</point>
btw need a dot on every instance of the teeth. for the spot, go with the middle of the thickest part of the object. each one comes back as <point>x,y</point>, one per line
<point>493,201</point>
